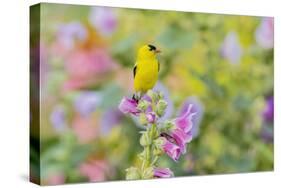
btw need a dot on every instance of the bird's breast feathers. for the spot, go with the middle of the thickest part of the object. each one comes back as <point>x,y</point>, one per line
<point>146,75</point>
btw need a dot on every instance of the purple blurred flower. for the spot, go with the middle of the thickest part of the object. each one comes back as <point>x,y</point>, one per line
<point>109,119</point>
<point>170,107</point>
<point>268,113</point>
<point>231,48</point>
<point>265,33</point>
<point>129,106</point>
<point>197,107</point>
<point>58,119</point>
<point>87,102</point>
<point>172,150</point>
<point>163,173</point>
<point>103,19</point>
<point>69,33</point>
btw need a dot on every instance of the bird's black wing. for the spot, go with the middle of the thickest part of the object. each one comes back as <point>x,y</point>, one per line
<point>135,70</point>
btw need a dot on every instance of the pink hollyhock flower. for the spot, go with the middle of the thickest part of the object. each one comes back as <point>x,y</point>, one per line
<point>96,170</point>
<point>184,122</point>
<point>231,48</point>
<point>103,19</point>
<point>128,106</point>
<point>163,173</point>
<point>171,150</point>
<point>181,138</point>
<point>265,33</point>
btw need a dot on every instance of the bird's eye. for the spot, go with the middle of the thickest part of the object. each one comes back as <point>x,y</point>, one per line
<point>151,47</point>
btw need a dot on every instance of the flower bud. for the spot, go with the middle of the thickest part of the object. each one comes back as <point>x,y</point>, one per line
<point>143,119</point>
<point>153,95</point>
<point>161,107</point>
<point>158,143</point>
<point>168,126</point>
<point>143,104</point>
<point>132,173</point>
<point>151,117</point>
<point>145,140</point>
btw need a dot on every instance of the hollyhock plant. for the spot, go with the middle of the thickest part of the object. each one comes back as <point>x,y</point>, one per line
<point>160,137</point>
<point>265,33</point>
<point>231,48</point>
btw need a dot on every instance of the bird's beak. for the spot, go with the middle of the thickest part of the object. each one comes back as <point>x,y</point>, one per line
<point>157,51</point>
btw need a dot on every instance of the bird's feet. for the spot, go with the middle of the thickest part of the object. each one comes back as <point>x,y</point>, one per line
<point>136,98</point>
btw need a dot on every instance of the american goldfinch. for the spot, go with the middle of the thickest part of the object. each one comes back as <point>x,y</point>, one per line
<point>146,69</point>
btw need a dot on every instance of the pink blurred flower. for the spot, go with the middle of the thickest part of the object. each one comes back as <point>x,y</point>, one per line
<point>129,106</point>
<point>84,129</point>
<point>96,170</point>
<point>172,150</point>
<point>87,67</point>
<point>265,33</point>
<point>231,48</point>
<point>163,173</point>
<point>56,179</point>
<point>103,19</point>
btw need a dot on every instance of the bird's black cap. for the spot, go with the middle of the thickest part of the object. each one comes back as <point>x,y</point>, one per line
<point>151,47</point>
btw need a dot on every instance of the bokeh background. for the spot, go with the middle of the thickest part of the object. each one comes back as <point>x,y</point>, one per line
<point>222,64</point>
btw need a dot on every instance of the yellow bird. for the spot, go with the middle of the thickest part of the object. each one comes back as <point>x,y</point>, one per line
<point>146,69</point>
